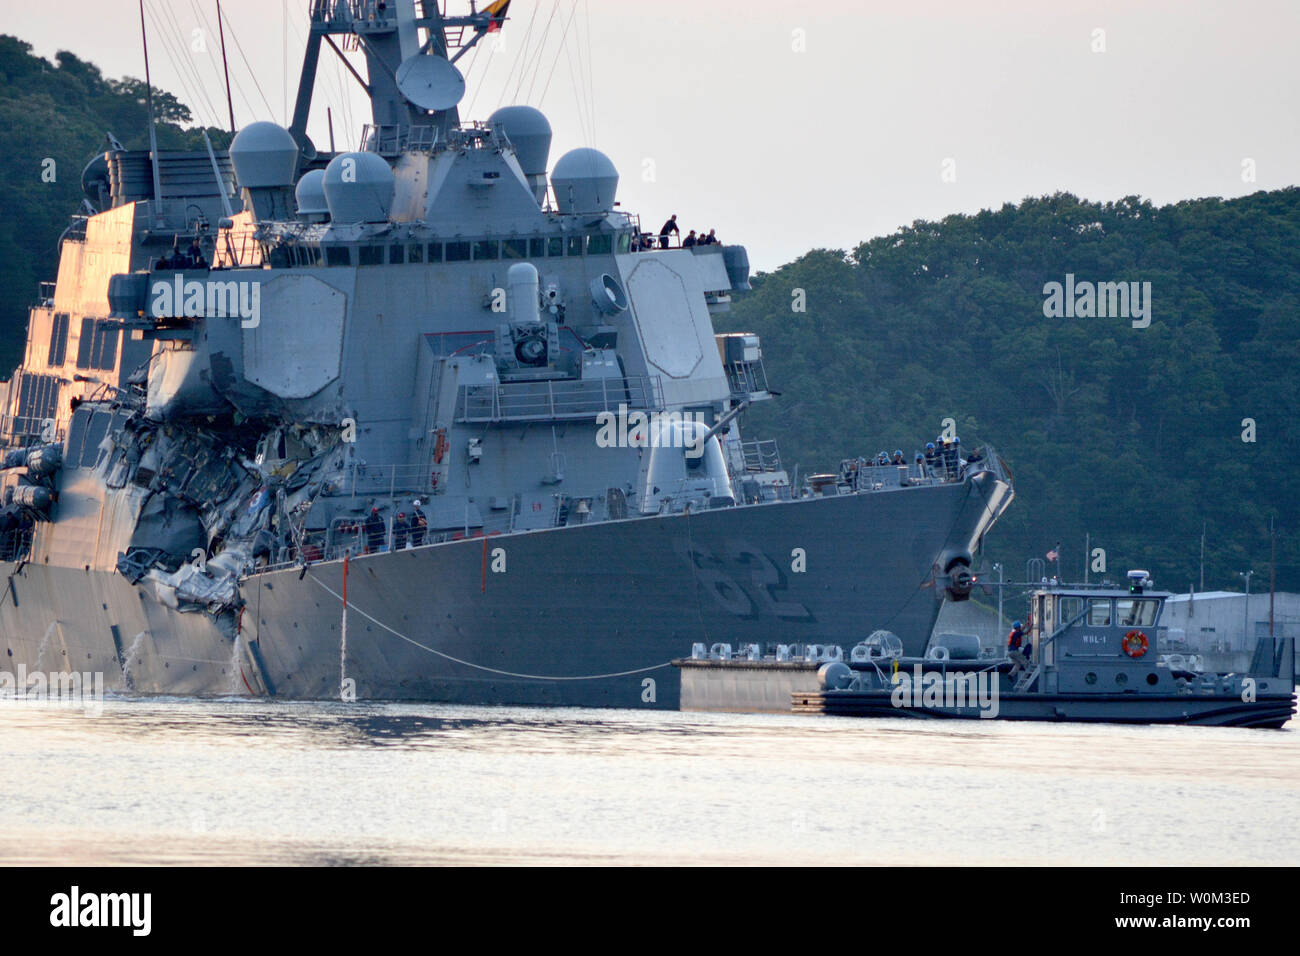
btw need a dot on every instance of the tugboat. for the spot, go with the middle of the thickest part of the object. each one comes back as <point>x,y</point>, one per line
<point>1090,657</point>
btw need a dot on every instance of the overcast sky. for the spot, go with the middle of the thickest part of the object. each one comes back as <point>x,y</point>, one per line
<point>789,126</point>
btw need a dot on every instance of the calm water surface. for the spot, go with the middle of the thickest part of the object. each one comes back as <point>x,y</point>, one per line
<point>232,782</point>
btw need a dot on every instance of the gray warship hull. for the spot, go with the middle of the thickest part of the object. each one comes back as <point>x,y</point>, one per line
<point>589,615</point>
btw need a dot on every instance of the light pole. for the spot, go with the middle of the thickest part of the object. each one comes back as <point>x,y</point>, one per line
<point>1245,614</point>
<point>997,566</point>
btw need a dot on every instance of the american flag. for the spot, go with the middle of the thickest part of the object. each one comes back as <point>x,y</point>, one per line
<point>1054,554</point>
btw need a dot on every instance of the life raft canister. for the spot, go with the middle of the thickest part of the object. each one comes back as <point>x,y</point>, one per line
<point>1135,644</point>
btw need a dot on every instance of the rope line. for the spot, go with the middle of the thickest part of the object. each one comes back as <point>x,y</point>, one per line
<point>481,667</point>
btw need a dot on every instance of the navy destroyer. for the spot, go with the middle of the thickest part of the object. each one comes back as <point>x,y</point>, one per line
<point>433,420</point>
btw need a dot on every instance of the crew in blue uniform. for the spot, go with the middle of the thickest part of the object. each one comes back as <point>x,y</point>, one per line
<point>931,460</point>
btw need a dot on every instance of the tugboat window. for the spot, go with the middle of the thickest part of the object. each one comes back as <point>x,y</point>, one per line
<point>1099,612</point>
<point>1071,607</point>
<point>1090,678</point>
<point>1136,612</point>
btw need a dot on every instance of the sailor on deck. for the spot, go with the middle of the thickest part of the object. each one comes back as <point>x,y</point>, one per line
<point>419,524</point>
<point>669,227</point>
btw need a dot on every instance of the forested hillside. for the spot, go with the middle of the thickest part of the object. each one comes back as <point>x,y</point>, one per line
<point>1132,435</point>
<point>60,111</point>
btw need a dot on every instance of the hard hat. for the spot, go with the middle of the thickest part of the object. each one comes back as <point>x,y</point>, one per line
<point>929,446</point>
<point>417,502</point>
<point>898,451</point>
<point>1017,625</point>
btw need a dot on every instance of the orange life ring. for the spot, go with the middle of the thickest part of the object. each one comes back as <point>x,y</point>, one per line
<point>1135,644</point>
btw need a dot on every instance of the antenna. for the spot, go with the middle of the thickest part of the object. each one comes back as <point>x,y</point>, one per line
<point>430,82</point>
<point>225,64</point>
<point>153,134</point>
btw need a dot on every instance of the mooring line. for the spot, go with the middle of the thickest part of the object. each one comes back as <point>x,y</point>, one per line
<point>491,670</point>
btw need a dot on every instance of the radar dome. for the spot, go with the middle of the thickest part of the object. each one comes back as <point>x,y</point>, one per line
<point>529,132</point>
<point>264,156</point>
<point>310,194</point>
<point>359,188</point>
<point>585,181</point>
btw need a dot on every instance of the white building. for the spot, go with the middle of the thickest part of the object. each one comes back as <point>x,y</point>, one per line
<point>1223,628</point>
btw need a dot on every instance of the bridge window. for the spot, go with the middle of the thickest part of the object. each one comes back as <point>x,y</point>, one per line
<point>599,244</point>
<point>1099,612</point>
<point>485,249</point>
<point>1136,612</point>
<point>536,247</point>
<point>371,255</point>
<point>555,246</point>
<point>38,397</point>
<point>59,340</point>
<point>415,253</point>
<point>458,252</point>
<point>575,246</point>
<point>435,252</point>
<point>396,255</point>
<point>514,248</point>
<point>97,347</point>
<point>338,256</point>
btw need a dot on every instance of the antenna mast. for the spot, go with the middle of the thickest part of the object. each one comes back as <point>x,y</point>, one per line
<point>225,65</point>
<point>153,134</point>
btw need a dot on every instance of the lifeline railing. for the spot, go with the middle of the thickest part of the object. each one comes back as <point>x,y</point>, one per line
<point>548,400</point>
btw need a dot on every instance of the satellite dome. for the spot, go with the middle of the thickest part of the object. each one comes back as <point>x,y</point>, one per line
<point>585,181</point>
<point>529,132</point>
<point>359,188</point>
<point>310,194</point>
<point>264,156</point>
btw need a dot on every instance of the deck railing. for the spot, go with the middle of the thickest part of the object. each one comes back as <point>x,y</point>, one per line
<point>555,401</point>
